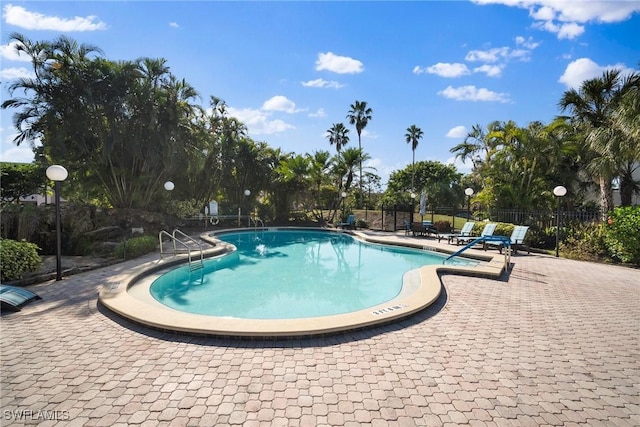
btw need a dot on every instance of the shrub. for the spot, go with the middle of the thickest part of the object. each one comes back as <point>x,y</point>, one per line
<point>622,236</point>
<point>584,241</point>
<point>442,226</point>
<point>136,246</point>
<point>185,208</point>
<point>542,238</point>
<point>17,258</point>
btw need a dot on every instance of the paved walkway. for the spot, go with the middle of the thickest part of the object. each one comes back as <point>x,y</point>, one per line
<point>557,342</point>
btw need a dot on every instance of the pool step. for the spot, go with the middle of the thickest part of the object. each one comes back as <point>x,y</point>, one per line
<point>196,265</point>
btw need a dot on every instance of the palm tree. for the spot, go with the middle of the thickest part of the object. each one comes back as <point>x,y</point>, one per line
<point>413,135</point>
<point>359,115</point>
<point>320,163</point>
<point>337,135</point>
<point>593,107</point>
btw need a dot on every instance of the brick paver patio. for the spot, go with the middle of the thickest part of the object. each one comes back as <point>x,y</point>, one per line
<point>556,342</point>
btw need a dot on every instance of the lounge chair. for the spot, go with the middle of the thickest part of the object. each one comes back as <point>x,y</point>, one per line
<point>465,231</point>
<point>407,227</point>
<point>423,229</point>
<point>516,239</point>
<point>350,223</point>
<point>13,298</point>
<point>486,231</point>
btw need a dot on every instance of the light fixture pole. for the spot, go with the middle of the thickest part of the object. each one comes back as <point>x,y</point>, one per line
<point>169,186</point>
<point>343,195</point>
<point>469,192</point>
<point>413,206</point>
<point>57,174</point>
<point>559,192</point>
<point>247,193</point>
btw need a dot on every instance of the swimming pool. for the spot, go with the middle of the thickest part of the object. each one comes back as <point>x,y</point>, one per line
<point>128,293</point>
<point>290,274</point>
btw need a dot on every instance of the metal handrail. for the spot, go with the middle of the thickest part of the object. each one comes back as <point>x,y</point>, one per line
<point>175,240</point>
<point>483,239</point>
<point>194,241</point>
<point>255,222</point>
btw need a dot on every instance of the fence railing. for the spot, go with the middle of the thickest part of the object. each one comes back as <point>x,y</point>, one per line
<point>392,219</point>
<point>542,219</point>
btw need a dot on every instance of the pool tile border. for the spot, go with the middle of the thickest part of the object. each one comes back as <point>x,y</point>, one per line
<point>421,288</point>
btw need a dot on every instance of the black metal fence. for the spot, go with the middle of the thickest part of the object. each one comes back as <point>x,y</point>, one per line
<point>542,219</point>
<point>393,219</point>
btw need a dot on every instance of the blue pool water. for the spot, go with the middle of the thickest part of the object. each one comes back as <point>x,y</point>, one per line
<point>285,274</point>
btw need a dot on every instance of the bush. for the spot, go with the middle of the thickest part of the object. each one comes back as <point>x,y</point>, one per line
<point>16,258</point>
<point>502,228</point>
<point>621,235</point>
<point>442,226</point>
<point>583,241</point>
<point>136,246</point>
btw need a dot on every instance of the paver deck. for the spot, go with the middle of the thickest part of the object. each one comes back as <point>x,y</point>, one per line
<point>555,342</point>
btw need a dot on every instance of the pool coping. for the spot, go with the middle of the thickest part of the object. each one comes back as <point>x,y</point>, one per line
<point>421,288</point>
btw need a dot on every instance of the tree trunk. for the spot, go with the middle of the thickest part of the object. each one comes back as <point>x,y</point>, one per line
<point>606,199</point>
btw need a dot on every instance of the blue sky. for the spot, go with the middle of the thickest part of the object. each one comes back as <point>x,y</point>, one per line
<point>289,70</point>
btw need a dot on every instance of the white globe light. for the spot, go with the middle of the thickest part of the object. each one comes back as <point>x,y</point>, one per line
<point>247,192</point>
<point>57,173</point>
<point>169,186</point>
<point>469,191</point>
<point>560,191</point>
<point>343,194</point>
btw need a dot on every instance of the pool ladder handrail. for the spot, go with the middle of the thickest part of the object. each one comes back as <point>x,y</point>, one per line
<point>483,239</point>
<point>192,265</point>
<point>256,220</point>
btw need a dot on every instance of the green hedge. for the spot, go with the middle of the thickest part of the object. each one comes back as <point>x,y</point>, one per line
<point>17,258</point>
<point>622,234</point>
<point>136,246</point>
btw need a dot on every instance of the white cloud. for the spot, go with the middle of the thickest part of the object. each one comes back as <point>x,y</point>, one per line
<point>338,64</point>
<point>584,69</point>
<point>498,57</point>
<point>472,93</point>
<point>384,170</point>
<point>498,54</point>
<point>490,70</point>
<point>280,103</point>
<point>174,25</point>
<point>569,30</point>
<point>491,55</point>
<point>8,52</point>
<point>457,132</point>
<point>564,18</point>
<point>460,165</point>
<point>10,152</point>
<point>15,73</point>
<point>21,17</point>
<point>444,69</point>
<point>319,114</point>
<point>21,154</point>
<point>528,43</point>
<point>321,83</point>
<point>258,122</point>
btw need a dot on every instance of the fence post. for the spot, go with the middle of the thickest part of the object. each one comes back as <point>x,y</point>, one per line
<point>395,216</point>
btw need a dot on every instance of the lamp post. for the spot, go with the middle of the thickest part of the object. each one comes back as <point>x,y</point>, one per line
<point>169,186</point>
<point>413,206</point>
<point>343,195</point>
<point>469,192</point>
<point>559,192</point>
<point>247,193</point>
<point>57,174</point>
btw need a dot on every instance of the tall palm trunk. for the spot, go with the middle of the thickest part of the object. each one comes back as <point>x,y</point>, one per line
<point>606,200</point>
